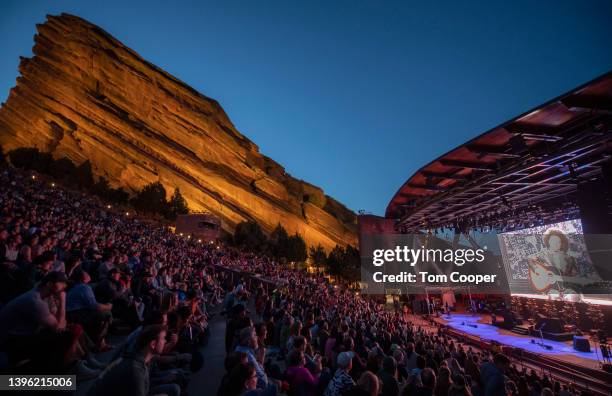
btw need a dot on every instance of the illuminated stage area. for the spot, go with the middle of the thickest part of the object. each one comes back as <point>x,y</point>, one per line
<point>479,325</point>
<point>534,193</point>
<point>558,358</point>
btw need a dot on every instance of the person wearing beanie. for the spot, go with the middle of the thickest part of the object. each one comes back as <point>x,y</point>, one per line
<point>342,381</point>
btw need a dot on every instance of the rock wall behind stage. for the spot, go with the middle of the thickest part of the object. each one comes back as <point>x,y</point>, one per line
<point>86,96</point>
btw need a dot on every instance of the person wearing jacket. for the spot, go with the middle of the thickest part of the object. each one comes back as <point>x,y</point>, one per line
<point>301,381</point>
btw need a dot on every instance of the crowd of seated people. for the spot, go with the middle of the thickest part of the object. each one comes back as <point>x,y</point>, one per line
<point>308,338</point>
<point>72,271</point>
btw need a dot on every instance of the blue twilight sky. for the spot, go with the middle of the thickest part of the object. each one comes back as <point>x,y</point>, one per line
<point>353,96</point>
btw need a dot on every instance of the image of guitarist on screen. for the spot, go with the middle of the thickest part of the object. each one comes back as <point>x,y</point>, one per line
<point>554,270</point>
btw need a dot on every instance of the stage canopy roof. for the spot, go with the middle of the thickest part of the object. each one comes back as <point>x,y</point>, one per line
<point>536,157</point>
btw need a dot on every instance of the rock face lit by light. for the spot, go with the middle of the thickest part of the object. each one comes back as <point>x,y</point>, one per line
<point>86,96</point>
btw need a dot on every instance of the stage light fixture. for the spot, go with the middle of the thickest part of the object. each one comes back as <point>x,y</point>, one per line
<point>572,171</point>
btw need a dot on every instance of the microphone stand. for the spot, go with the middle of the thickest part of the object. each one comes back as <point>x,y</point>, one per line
<point>541,335</point>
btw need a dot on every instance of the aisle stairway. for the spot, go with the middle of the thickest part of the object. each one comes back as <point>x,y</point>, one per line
<point>206,381</point>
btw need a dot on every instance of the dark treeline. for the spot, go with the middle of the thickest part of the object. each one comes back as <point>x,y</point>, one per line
<point>341,262</point>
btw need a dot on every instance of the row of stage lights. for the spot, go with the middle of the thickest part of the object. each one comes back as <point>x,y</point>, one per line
<point>509,220</point>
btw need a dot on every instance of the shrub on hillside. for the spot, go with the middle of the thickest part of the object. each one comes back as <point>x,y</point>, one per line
<point>118,195</point>
<point>63,169</point>
<point>30,158</point>
<point>249,235</point>
<point>151,199</point>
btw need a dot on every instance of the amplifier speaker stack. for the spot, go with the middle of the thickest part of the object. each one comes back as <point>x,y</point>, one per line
<point>582,344</point>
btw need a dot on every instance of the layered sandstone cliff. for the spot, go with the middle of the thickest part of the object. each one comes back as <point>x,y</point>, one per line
<point>86,96</point>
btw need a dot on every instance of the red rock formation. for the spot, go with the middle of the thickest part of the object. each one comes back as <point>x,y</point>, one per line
<point>86,96</point>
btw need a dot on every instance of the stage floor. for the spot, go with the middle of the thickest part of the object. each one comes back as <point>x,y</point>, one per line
<point>561,350</point>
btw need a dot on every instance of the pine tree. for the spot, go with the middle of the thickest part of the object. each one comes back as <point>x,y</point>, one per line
<point>278,242</point>
<point>102,188</point>
<point>177,205</point>
<point>249,235</point>
<point>351,268</point>
<point>151,199</point>
<point>84,175</point>
<point>334,261</point>
<point>318,255</point>
<point>63,169</point>
<point>118,195</point>
<point>296,248</point>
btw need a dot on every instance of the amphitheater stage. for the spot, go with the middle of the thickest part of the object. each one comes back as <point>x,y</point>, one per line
<point>480,326</point>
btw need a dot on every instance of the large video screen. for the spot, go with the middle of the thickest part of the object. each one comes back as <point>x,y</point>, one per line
<point>551,261</point>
